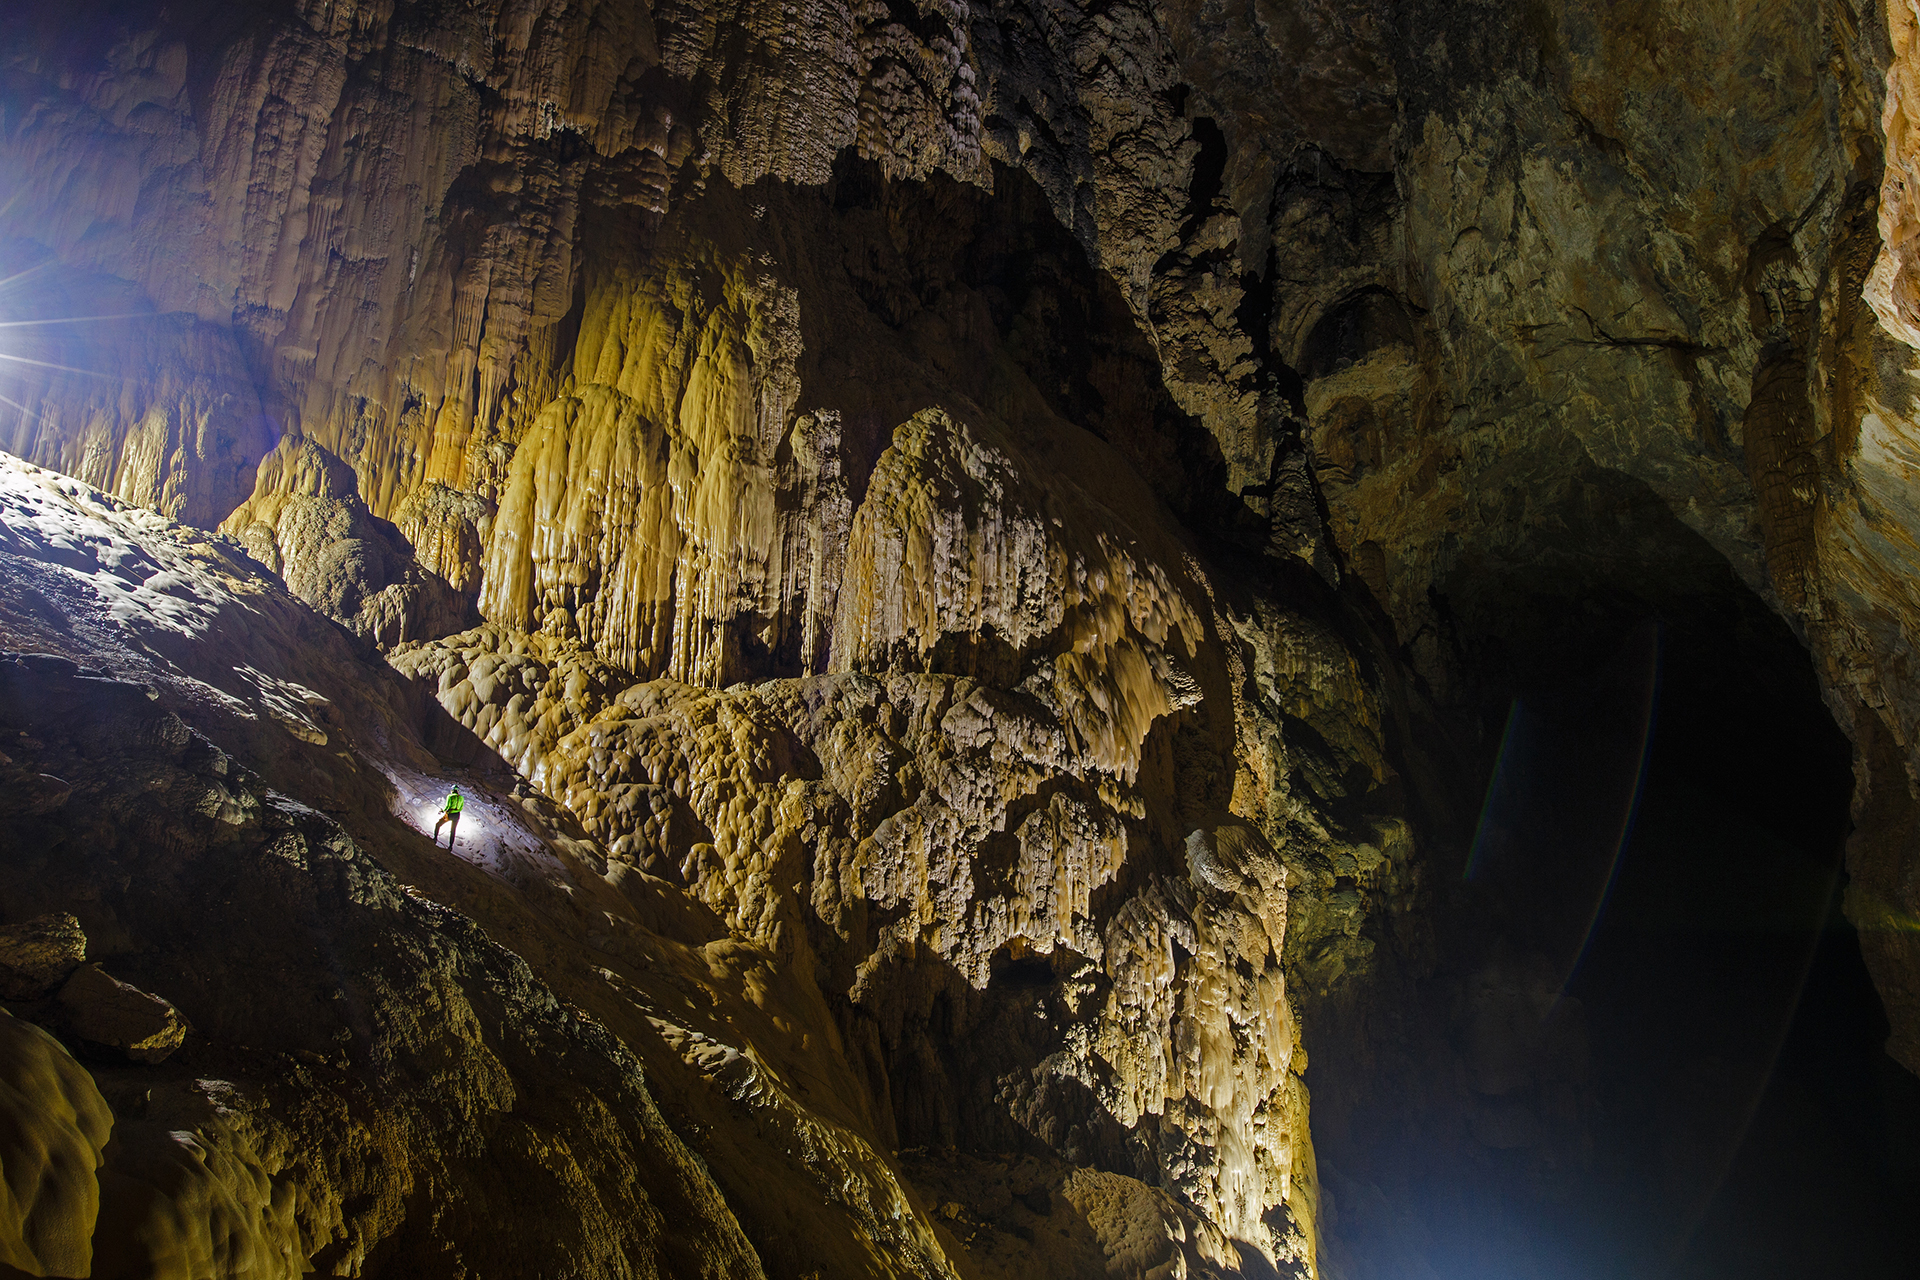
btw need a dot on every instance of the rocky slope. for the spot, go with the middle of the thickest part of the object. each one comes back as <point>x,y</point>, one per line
<point>978,556</point>
<point>841,924</point>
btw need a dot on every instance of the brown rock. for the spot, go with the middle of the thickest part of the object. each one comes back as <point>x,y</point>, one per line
<point>37,955</point>
<point>31,794</point>
<point>103,1010</point>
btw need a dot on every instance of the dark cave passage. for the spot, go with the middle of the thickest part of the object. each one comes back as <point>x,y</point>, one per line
<point>1744,1102</point>
<point>1735,1101</point>
<point>1666,1052</point>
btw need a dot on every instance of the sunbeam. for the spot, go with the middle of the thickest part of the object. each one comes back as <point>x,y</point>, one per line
<point>57,320</point>
<point>63,368</point>
<point>18,276</point>
<point>7,400</point>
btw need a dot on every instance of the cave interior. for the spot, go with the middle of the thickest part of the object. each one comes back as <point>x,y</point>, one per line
<point>1119,639</point>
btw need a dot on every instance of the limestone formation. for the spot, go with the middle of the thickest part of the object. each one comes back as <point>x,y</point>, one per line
<point>971,559</point>
<point>313,530</point>
<point>56,1125</point>
<point>353,1043</point>
<point>1890,287</point>
<point>817,859</point>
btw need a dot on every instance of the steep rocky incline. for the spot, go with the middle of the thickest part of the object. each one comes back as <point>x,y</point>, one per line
<point>359,1076</point>
<point>831,919</point>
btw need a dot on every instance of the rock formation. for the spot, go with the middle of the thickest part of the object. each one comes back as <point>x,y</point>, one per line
<point>972,559</point>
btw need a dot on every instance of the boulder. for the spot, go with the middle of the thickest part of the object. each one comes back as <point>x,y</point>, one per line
<point>102,1010</point>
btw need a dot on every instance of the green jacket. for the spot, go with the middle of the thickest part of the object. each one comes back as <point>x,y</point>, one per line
<point>455,803</point>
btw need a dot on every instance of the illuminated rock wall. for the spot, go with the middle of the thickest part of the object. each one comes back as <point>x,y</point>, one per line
<point>954,510</point>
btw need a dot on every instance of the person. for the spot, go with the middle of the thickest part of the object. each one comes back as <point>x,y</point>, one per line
<point>450,813</point>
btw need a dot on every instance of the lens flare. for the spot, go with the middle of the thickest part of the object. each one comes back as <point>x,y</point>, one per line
<point>1486,833</point>
<point>1645,714</point>
<point>1558,814</point>
<point>37,341</point>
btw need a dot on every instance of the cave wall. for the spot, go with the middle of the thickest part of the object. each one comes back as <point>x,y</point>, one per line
<point>1148,422</point>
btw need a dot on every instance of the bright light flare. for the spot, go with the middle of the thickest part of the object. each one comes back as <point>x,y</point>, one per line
<point>57,320</point>
<point>427,814</point>
<point>35,345</point>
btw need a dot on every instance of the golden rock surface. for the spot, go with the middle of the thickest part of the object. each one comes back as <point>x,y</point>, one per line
<point>928,531</point>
